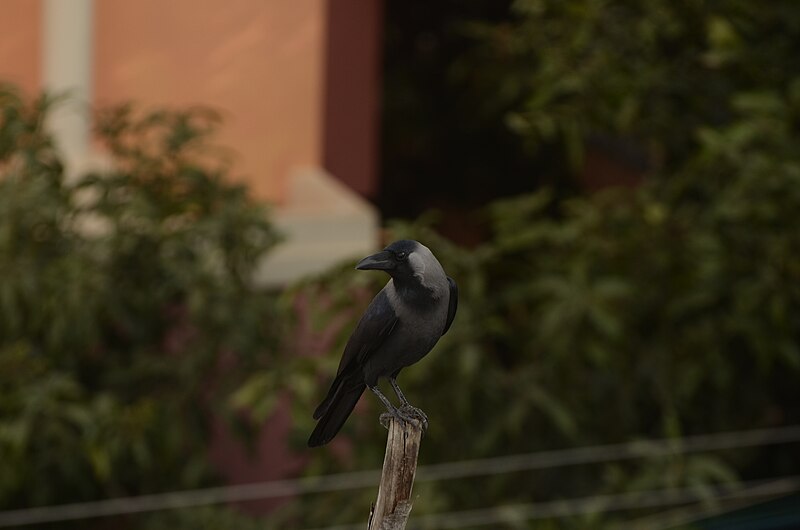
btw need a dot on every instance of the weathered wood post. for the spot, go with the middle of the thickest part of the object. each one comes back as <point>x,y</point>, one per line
<point>393,506</point>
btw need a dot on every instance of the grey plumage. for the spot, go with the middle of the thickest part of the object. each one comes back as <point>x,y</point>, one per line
<point>401,325</point>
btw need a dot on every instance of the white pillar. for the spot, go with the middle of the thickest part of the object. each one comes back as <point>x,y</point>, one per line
<point>67,68</point>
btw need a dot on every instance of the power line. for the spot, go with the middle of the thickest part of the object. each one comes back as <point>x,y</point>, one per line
<point>679,517</point>
<point>608,453</point>
<point>436,472</point>
<point>596,504</point>
<point>187,499</point>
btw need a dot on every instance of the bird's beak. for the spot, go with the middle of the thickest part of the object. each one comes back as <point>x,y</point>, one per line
<point>382,261</point>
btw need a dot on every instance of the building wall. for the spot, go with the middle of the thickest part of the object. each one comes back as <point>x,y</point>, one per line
<point>297,81</point>
<point>260,63</point>
<point>20,43</point>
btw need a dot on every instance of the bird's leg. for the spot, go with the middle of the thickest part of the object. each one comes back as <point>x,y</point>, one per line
<point>397,391</point>
<point>407,407</point>
<point>391,410</point>
<point>388,404</point>
<point>404,414</point>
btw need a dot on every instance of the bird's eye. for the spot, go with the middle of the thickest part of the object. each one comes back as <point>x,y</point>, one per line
<point>401,255</point>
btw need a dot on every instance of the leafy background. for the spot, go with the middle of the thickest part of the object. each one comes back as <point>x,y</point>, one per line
<point>118,334</point>
<point>662,309</point>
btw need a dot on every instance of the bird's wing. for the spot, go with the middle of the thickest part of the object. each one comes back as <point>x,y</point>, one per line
<point>452,305</point>
<point>375,325</point>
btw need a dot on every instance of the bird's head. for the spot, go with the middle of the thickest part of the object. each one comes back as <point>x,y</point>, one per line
<point>406,261</point>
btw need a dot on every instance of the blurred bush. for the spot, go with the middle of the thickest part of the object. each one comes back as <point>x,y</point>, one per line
<point>666,310</point>
<point>638,77</point>
<point>127,310</point>
<point>662,311</point>
<point>490,98</point>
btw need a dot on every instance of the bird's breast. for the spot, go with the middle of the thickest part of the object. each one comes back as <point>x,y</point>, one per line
<point>413,337</point>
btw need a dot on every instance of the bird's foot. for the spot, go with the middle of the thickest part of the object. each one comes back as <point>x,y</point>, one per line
<point>405,414</point>
<point>386,419</point>
<point>413,413</point>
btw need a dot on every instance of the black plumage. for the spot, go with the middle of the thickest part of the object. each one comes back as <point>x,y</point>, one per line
<point>401,325</point>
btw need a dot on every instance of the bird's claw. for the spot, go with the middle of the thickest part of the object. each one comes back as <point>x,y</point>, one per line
<point>413,413</point>
<point>405,414</point>
<point>386,419</point>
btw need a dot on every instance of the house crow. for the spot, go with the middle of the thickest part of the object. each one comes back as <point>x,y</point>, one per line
<point>400,326</point>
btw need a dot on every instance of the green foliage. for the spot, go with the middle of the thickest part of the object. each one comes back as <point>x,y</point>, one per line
<point>488,98</point>
<point>668,310</point>
<point>650,72</point>
<point>662,311</point>
<point>203,518</point>
<point>127,310</point>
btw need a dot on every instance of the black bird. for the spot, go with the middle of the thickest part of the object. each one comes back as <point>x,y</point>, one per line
<point>401,325</point>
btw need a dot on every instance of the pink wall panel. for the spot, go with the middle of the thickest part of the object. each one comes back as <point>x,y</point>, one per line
<point>20,44</point>
<point>258,62</point>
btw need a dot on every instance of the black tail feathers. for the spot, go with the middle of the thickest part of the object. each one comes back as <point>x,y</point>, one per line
<point>335,409</point>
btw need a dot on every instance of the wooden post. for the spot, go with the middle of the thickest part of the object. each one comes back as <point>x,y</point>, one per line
<point>393,506</point>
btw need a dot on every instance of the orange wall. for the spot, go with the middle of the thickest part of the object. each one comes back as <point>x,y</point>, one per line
<point>297,81</point>
<point>260,63</point>
<point>20,43</point>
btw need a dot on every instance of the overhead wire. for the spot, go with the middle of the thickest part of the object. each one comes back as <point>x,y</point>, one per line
<point>606,453</point>
<point>684,515</point>
<point>436,472</point>
<point>595,504</point>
